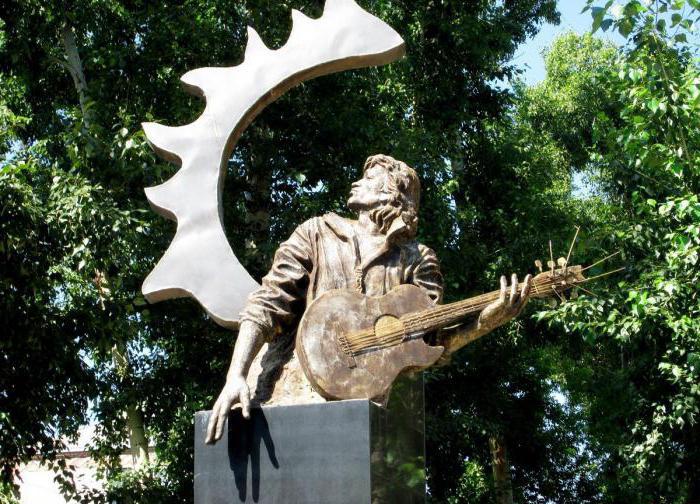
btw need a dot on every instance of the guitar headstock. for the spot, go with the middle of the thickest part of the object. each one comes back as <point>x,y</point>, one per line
<point>556,281</point>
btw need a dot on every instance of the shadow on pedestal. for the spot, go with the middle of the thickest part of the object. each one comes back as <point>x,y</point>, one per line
<point>245,438</point>
<point>336,452</point>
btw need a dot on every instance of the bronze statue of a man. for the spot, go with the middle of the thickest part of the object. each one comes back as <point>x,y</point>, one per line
<point>372,254</point>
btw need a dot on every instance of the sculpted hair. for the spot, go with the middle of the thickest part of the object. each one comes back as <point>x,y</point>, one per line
<point>403,190</point>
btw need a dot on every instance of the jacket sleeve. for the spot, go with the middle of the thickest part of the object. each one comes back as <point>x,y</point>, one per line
<point>426,273</point>
<point>277,304</point>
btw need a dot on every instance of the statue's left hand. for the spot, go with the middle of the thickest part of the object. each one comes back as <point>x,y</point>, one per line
<point>509,304</point>
<point>235,390</point>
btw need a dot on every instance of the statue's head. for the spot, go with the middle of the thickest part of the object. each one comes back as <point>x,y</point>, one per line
<point>389,191</point>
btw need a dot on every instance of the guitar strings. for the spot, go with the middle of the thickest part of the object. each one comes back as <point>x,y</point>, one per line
<point>368,338</point>
<point>426,316</point>
<point>471,304</point>
<point>412,323</point>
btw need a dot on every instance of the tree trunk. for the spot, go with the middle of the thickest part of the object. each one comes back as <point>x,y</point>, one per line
<point>501,470</point>
<point>138,442</point>
<point>137,435</point>
<point>75,67</point>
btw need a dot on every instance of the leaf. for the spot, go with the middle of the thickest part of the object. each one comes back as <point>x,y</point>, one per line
<point>625,27</point>
<point>598,14</point>
<point>633,8</point>
<point>140,301</point>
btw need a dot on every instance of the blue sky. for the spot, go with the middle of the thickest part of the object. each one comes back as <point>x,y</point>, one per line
<point>529,55</point>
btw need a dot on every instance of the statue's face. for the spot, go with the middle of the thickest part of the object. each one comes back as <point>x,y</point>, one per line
<point>368,192</point>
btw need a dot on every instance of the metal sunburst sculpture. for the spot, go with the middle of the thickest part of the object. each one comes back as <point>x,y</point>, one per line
<point>199,262</point>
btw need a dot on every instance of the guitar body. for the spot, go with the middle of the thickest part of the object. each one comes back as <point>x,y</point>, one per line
<point>333,369</point>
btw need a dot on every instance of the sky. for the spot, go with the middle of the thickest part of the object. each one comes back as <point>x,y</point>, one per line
<point>529,55</point>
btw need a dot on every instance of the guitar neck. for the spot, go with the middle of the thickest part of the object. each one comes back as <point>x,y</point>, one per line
<point>441,316</point>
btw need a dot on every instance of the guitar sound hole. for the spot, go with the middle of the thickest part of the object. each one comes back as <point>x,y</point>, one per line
<point>388,328</point>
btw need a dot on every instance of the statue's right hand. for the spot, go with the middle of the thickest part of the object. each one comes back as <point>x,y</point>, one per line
<point>235,390</point>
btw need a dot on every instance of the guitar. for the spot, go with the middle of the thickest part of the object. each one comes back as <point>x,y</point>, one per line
<point>353,346</point>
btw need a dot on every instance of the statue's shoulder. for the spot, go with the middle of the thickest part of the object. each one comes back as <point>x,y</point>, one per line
<point>309,225</point>
<point>327,225</point>
<point>417,252</point>
<point>333,218</point>
<point>341,226</point>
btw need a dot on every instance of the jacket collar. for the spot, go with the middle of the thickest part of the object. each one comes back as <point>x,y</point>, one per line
<point>342,227</point>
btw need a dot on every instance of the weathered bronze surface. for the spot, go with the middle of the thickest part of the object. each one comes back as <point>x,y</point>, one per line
<point>369,256</point>
<point>354,346</point>
<point>329,253</point>
<point>338,372</point>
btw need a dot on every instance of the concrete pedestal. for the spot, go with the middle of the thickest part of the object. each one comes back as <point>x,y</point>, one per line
<point>336,452</point>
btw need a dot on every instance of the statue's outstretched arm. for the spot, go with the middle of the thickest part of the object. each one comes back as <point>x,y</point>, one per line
<point>273,306</point>
<point>250,339</point>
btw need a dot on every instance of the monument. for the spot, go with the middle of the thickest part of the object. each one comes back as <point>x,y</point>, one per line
<point>349,305</point>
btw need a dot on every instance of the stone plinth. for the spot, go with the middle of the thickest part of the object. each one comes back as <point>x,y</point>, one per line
<point>336,452</point>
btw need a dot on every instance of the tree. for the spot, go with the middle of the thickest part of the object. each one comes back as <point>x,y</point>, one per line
<point>641,389</point>
<point>86,75</point>
<point>507,391</point>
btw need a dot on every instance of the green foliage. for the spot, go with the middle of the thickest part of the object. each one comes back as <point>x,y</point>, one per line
<point>566,103</point>
<point>473,486</point>
<point>598,405</point>
<point>7,495</point>
<point>84,226</point>
<point>149,484</point>
<point>39,348</point>
<point>642,386</point>
<point>508,384</point>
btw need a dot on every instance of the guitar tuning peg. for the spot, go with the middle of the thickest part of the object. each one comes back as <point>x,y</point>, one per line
<point>550,265</point>
<point>561,262</point>
<point>538,265</point>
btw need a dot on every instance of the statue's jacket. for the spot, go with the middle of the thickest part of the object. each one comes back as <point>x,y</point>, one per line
<point>322,254</point>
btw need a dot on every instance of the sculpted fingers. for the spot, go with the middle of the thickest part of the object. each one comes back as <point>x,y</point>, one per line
<point>245,401</point>
<point>504,286</point>
<point>513,289</point>
<point>525,294</point>
<point>212,426</point>
<point>221,415</point>
<point>526,288</point>
<point>237,390</point>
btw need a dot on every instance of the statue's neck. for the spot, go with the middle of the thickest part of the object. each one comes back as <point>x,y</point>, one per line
<point>367,225</point>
